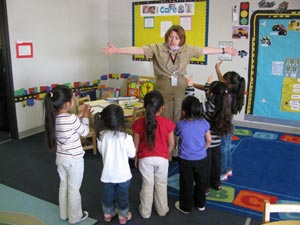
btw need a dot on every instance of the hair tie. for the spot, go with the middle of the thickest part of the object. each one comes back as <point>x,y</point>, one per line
<point>51,94</point>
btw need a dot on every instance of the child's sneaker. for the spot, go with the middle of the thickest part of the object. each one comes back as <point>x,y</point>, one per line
<point>123,220</point>
<point>177,206</point>
<point>229,173</point>
<point>224,177</point>
<point>85,215</point>
<point>108,217</point>
<point>207,192</point>
<point>201,209</point>
<point>218,187</point>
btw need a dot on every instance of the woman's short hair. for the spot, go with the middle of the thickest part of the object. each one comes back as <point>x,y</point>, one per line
<point>179,30</point>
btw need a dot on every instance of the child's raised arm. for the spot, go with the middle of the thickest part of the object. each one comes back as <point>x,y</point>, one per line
<point>218,71</point>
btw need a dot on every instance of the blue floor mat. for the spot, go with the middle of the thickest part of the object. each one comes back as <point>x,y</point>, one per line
<point>265,166</point>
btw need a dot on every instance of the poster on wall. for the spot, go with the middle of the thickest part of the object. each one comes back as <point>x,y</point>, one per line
<point>24,49</point>
<point>274,74</point>
<point>225,44</point>
<point>151,20</point>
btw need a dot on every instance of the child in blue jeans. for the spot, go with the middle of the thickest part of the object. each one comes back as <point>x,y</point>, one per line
<point>116,147</point>
<point>236,88</point>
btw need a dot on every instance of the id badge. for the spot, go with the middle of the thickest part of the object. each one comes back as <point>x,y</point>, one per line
<point>174,80</point>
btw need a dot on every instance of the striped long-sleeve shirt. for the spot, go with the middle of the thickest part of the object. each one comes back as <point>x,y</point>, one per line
<point>209,113</point>
<point>69,129</point>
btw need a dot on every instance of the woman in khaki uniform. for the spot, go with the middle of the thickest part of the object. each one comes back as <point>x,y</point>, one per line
<point>170,60</point>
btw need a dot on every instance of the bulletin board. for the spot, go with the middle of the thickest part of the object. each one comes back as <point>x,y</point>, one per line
<point>274,74</point>
<point>151,19</point>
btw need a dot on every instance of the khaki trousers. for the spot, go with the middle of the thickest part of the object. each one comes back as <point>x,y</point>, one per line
<point>173,95</point>
<point>154,172</point>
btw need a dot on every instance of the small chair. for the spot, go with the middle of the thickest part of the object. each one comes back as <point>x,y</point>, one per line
<point>278,208</point>
<point>137,113</point>
<point>89,141</point>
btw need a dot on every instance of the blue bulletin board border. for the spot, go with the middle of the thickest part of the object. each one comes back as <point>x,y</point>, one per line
<point>254,60</point>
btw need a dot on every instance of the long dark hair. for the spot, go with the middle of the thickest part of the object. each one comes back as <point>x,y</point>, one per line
<point>191,108</point>
<point>219,95</point>
<point>53,102</point>
<point>153,101</point>
<point>111,118</point>
<point>236,85</point>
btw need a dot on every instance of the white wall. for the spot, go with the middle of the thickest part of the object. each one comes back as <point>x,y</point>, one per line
<point>67,37</point>
<point>220,29</point>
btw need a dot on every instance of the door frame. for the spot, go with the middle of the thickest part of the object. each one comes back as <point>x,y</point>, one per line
<point>13,126</point>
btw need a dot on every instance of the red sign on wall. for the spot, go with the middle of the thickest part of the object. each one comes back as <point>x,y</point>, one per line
<point>24,50</point>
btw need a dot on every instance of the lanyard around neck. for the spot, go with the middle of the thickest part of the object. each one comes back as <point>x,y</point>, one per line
<point>173,59</point>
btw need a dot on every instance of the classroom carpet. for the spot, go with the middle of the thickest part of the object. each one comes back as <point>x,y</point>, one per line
<point>19,208</point>
<point>265,166</point>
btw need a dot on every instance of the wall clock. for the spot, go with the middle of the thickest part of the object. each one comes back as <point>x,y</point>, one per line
<point>145,88</point>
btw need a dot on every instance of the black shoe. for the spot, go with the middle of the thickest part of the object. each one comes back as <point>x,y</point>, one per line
<point>217,187</point>
<point>177,206</point>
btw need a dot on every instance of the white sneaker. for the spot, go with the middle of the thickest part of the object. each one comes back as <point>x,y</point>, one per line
<point>224,177</point>
<point>229,173</point>
<point>201,209</point>
<point>85,215</point>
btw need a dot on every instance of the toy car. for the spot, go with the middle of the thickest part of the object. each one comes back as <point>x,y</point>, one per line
<point>265,41</point>
<point>280,28</point>
<point>242,32</point>
<point>242,53</point>
<point>294,25</point>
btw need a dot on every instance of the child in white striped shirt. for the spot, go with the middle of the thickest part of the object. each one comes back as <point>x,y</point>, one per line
<point>63,131</point>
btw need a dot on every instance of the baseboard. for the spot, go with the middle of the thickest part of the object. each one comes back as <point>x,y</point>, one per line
<point>270,127</point>
<point>30,132</point>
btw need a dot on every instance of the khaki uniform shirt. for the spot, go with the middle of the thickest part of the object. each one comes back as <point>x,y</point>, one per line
<point>162,62</point>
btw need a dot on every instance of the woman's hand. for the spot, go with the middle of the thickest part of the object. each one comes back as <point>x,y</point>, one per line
<point>231,51</point>
<point>110,49</point>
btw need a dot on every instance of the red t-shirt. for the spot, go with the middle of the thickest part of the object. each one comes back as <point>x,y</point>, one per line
<point>163,128</point>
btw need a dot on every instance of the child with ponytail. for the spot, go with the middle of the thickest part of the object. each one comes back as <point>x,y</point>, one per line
<point>63,130</point>
<point>154,139</point>
<point>236,86</point>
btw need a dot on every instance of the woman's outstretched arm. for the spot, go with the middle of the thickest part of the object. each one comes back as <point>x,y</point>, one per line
<point>111,49</point>
<point>227,50</point>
